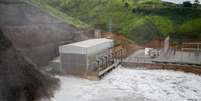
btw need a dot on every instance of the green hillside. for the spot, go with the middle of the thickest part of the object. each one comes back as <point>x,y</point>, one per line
<point>140,20</point>
<point>58,14</point>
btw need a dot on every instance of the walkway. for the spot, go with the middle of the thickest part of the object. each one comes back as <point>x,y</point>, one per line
<point>179,57</point>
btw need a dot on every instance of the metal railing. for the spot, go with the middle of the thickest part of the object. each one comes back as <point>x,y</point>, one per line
<point>138,59</point>
<point>109,59</point>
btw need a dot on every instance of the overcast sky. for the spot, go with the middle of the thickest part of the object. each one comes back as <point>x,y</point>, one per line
<point>180,1</point>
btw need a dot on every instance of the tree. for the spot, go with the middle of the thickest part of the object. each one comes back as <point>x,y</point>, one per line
<point>197,2</point>
<point>187,4</point>
<point>126,5</point>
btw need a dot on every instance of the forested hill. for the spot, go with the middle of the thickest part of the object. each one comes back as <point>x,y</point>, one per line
<point>139,20</point>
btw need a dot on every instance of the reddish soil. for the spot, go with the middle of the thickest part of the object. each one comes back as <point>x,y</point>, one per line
<point>122,42</point>
<point>155,43</point>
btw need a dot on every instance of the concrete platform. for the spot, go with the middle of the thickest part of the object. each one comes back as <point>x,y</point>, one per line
<point>179,57</point>
<point>182,61</point>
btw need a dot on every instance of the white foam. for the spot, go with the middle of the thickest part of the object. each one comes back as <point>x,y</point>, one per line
<point>132,85</point>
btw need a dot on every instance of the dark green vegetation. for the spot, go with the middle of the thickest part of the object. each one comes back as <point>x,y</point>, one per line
<point>140,20</point>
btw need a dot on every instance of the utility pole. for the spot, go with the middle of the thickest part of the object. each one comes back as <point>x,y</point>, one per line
<point>110,19</point>
<point>110,25</point>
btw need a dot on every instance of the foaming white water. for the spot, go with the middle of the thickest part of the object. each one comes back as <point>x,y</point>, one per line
<point>132,85</point>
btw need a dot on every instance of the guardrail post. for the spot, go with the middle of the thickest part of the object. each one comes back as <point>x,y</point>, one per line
<point>98,65</point>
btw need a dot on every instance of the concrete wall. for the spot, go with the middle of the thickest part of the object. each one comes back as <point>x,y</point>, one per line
<point>80,64</point>
<point>74,63</point>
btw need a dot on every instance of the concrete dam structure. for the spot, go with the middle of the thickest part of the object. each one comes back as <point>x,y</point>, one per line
<point>90,59</point>
<point>80,58</point>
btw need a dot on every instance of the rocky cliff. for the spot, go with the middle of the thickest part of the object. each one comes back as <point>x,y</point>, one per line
<point>20,80</point>
<point>34,32</point>
<point>29,38</point>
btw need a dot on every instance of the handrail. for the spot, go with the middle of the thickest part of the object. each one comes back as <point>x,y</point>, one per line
<point>109,59</point>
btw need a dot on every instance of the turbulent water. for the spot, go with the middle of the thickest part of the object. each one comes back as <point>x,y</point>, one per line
<point>132,85</point>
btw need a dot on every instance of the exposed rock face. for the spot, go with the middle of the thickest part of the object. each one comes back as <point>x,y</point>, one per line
<point>20,80</point>
<point>34,32</point>
<point>29,38</point>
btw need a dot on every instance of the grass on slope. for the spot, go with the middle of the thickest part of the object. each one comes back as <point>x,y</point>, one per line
<point>59,15</point>
<point>195,26</point>
<point>163,24</point>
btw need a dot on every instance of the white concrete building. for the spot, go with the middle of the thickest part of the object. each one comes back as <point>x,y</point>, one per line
<point>80,58</point>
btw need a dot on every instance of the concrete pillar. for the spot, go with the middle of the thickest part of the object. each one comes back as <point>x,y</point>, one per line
<point>97,33</point>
